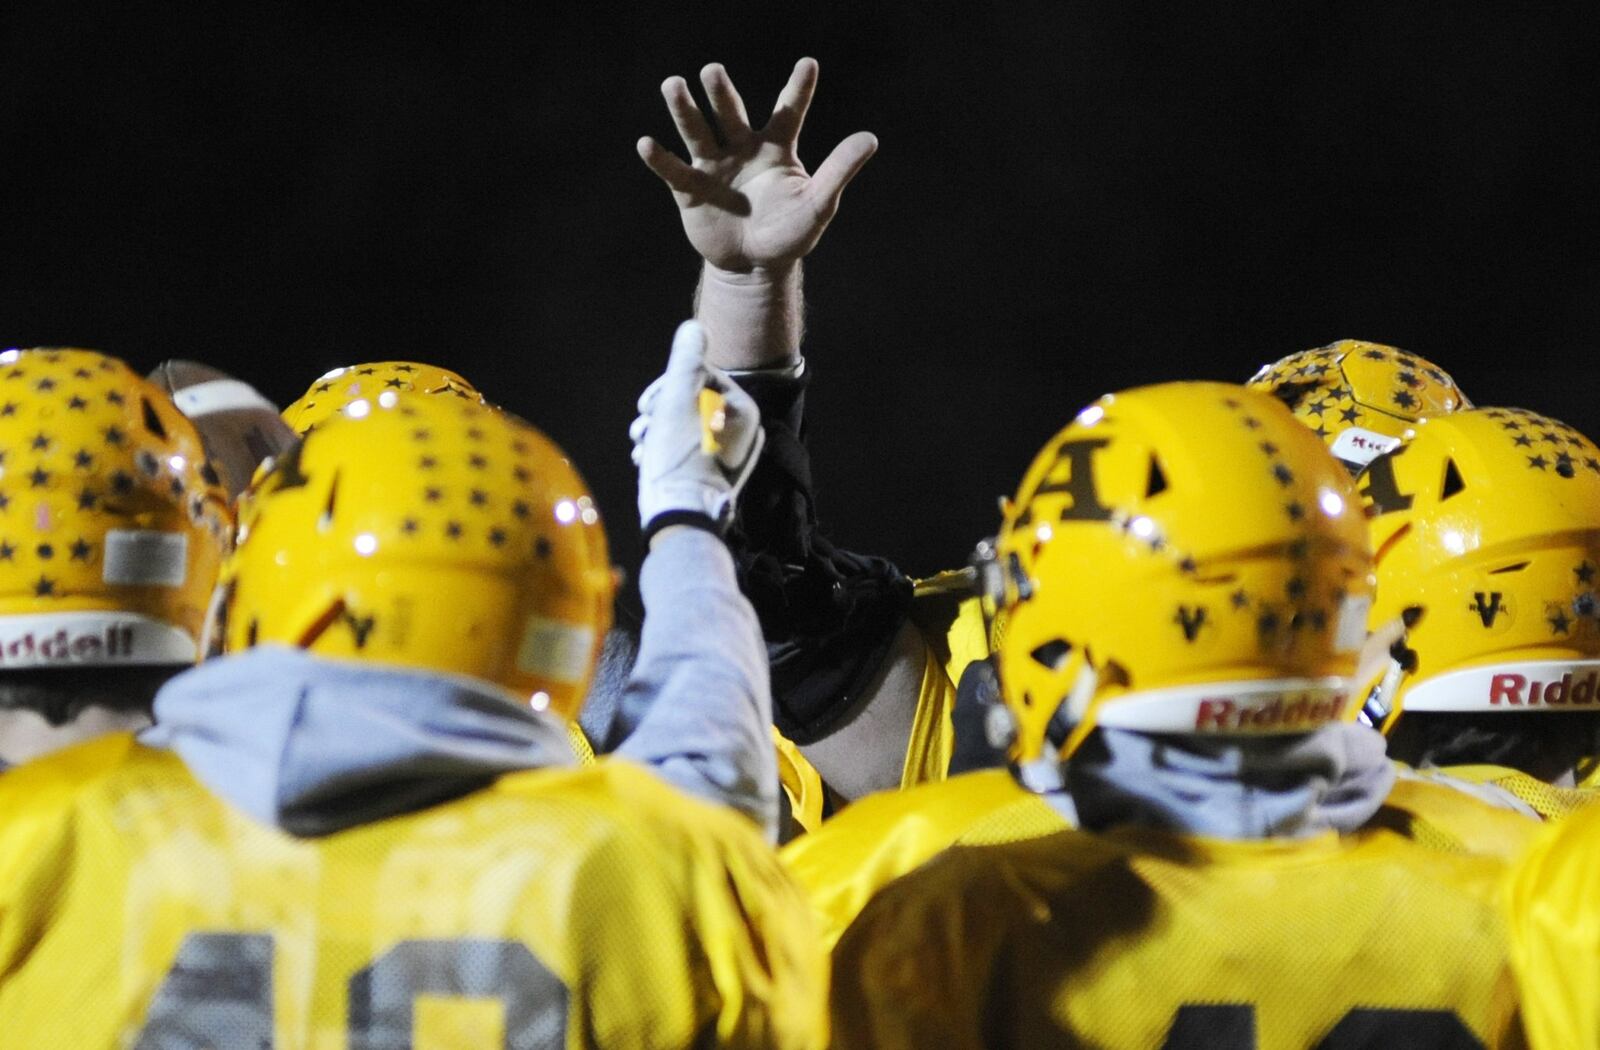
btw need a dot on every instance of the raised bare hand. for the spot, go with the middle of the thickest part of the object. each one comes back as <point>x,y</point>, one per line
<point>746,202</point>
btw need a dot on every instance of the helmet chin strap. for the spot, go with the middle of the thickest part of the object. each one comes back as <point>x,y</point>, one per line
<point>1378,710</point>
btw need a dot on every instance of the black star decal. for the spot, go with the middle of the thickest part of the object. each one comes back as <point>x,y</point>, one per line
<point>1537,462</point>
<point>8,409</point>
<point>114,436</point>
<point>541,547</point>
<point>1267,622</point>
<point>521,473</point>
<point>1584,572</point>
<point>45,587</point>
<point>5,501</point>
<point>452,529</point>
<point>421,434</point>
<point>1321,431</point>
<point>147,463</point>
<point>474,434</point>
<point>1404,399</point>
<point>1375,355</point>
<point>45,385</point>
<point>81,550</point>
<point>1319,620</point>
<point>41,441</point>
<point>76,402</point>
<point>1295,588</point>
<point>114,398</point>
<point>1585,605</point>
<point>1350,415</point>
<point>1269,448</point>
<point>83,459</point>
<point>7,551</point>
<point>1284,475</point>
<point>322,388</point>
<point>15,373</point>
<point>477,462</point>
<point>176,488</point>
<point>1186,565</point>
<point>1559,624</point>
<point>83,373</point>
<point>404,368</point>
<point>1409,379</point>
<point>497,537</point>
<point>478,497</point>
<point>432,494</point>
<point>1239,599</point>
<point>409,526</point>
<point>520,509</point>
<point>87,500</point>
<point>519,446</point>
<point>395,384</point>
<point>39,478</point>
<point>427,463</point>
<point>121,483</point>
<point>1511,425</point>
<point>1592,463</point>
<point>365,371</point>
<point>1295,510</point>
<point>1251,422</point>
<point>1523,441</point>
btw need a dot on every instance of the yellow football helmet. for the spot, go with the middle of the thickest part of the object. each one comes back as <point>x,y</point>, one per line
<point>426,532</point>
<point>1183,558</point>
<point>1486,526</point>
<point>376,381</point>
<point>1360,397</point>
<point>112,523</point>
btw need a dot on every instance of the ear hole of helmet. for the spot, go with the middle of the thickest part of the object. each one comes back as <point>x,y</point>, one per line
<point>1452,481</point>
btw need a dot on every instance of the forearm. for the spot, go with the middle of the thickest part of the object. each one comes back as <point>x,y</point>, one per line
<point>700,680</point>
<point>752,319</point>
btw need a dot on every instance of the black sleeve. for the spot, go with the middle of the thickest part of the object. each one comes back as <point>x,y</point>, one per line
<point>830,616</point>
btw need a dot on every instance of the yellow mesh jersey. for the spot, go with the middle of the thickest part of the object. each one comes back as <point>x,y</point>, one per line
<point>580,743</point>
<point>1548,800</point>
<point>1443,818</point>
<point>584,907</point>
<point>879,838</point>
<point>1553,900</point>
<point>1142,940</point>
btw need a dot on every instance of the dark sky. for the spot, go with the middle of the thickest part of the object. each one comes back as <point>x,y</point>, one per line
<point>1069,198</point>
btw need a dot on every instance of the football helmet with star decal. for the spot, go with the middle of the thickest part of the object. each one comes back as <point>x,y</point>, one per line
<point>1183,558</point>
<point>1360,397</point>
<point>428,532</point>
<point>376,382</point>
<point>112,523</point>
<point>1486,527</point>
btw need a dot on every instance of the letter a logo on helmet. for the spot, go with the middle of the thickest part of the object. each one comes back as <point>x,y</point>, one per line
<point>1360,398</point>
<point>112,523</point>
<point>1184,558</point>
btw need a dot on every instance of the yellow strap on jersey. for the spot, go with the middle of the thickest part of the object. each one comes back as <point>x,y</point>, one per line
<point>1548,800</point>
<point>801,783</point>
<point>881,837</point>
<point>580,744</point>
<point>1554,917</point>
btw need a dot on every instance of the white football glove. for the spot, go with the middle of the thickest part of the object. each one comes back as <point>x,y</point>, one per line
<point>676,476</point>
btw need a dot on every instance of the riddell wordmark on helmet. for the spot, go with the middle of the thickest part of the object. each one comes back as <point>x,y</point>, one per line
<point>1516,690</point>
<point>1229,715</point>
<point>115,642</point>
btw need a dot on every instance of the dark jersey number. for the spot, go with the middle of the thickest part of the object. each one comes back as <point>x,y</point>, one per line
<point>1233,1027</point>
<point>218,994</point>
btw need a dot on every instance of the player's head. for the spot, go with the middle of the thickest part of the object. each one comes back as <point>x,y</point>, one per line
<point>1486,525</point>
<point>376,382</point>
<point>112,527</point>
<point>1360,397</point>
<point>1183,558</point>
<point>427,532</point>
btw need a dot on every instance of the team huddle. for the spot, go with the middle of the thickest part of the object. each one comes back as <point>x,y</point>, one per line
<point>1269,715</point>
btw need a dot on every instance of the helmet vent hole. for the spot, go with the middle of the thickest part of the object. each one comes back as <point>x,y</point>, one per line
<point>252,633</point>
<point>152,420</point>
<point>1514,567</point>
<point>326,521</point>
<point>1114,674</point>
<point>1157,481</point>
<point>1052,654</point>
<point>1452,480</point>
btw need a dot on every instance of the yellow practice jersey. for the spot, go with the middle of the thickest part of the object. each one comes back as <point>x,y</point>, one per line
<point>1441,817</point>
<point>1553,899</point>
<point>1548,800</point>
<point>1142,940</point>
<point>581,907</point>
<point>881,837</point>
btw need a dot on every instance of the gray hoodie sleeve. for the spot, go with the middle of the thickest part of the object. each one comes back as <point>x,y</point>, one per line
<point>700,683</point>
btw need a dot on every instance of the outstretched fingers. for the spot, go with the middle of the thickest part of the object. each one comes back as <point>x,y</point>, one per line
<point>790,112</point>
<point>692,126</point>
<point>692,186</point>
<point>726,103</point>
<point>835,173</point>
